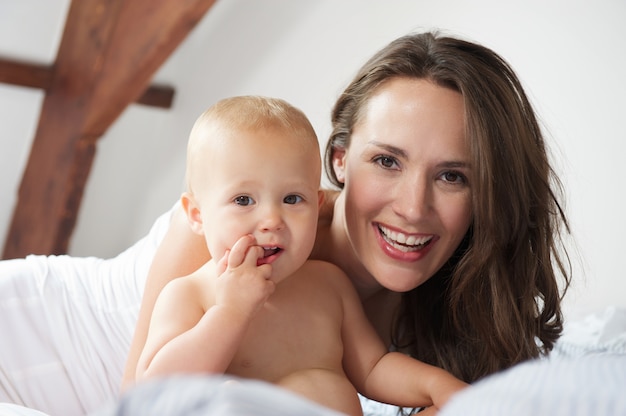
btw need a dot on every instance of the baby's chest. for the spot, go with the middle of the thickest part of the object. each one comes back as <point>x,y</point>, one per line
<point>291,335</point>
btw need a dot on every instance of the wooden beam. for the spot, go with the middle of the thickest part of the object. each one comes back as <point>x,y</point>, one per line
<point>31,75</point>
<point>160,96</point>
<point>109,52</point>
<point>25,74</point>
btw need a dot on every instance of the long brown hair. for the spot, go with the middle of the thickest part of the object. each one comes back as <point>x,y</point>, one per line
<point>496,302</point>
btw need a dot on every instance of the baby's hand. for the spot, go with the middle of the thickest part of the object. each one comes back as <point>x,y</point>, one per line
<point>241,284</point>
<point>447,387</point>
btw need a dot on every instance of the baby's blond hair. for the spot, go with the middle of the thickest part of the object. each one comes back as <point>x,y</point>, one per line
<point>244,113</point>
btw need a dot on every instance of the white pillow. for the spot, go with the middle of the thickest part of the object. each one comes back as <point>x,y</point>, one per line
<point>587,385</point>
<point>584,375</point>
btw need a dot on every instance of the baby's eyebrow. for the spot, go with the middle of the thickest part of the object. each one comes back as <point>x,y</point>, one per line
<point>389,148</point>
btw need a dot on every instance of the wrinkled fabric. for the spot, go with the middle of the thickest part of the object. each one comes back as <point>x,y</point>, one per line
<point>588,385</point>
<point>66,324</point>
<point>212,395</point>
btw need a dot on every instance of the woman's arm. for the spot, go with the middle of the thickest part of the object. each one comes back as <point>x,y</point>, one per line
<point>180,253</point>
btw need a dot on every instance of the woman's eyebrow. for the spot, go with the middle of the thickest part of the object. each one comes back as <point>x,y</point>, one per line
<point>403,154</point>
<point>391,149</point>
<point>455,164</point>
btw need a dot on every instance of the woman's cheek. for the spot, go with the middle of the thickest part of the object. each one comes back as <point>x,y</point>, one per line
<point>458,215</point>
<point>367,192</point>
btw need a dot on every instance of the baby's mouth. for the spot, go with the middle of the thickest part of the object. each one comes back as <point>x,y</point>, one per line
<point>269,255</point>
<point>404,242</point>
<point>270,251</point>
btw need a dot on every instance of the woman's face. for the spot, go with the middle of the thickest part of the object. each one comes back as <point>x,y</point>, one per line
<point>405,174</point>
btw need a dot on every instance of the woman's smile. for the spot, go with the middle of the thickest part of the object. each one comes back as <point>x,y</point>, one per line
<point>404,247</point>
<point>404,242</point>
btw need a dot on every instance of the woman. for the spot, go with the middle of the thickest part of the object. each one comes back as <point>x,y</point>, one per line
<point>447,220</point>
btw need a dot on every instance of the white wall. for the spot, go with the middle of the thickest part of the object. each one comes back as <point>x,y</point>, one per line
<point>569,55</point>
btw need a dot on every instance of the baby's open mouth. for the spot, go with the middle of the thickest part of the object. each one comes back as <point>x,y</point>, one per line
<point>270,251</point>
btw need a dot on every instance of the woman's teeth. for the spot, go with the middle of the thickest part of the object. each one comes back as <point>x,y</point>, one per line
<point>403,242</point>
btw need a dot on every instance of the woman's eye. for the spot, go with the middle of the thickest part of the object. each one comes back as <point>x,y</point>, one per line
<point>292,199</point>
<point>386,162</point>
<point>453,177</point>
<point>244,200</point>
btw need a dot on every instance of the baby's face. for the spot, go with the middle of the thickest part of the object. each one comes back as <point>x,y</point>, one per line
<point>263,183</point>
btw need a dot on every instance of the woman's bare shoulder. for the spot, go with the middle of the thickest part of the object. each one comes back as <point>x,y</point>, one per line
<point>328,206</point>
<point>328,273</point>
<point>317,266</point>
<point>192,287</point>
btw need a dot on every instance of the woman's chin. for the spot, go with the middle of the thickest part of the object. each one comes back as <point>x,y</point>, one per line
<point>399,279</point>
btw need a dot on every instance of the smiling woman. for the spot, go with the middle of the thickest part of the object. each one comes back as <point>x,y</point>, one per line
<point>403,187</point>
<point>423,121</point>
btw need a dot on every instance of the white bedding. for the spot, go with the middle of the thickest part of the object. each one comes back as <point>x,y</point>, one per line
<point>591,385</point>
<point>66,325</point>
<point>212,396</point>
<point>584,375</point>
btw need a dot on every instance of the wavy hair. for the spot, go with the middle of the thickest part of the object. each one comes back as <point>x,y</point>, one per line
<point>496,302</point>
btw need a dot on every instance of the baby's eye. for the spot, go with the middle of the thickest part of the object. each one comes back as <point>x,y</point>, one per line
<point>292,199</point>
<point>386,162</point>
<point>244,200</point>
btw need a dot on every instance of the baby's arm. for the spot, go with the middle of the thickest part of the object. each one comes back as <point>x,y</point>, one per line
<point>399,379</point>
<point>389,377</point>
<point>183,338</point>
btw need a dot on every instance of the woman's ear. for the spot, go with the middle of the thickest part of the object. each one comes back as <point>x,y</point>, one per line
<point>191,208</point>
<point>339,164</point>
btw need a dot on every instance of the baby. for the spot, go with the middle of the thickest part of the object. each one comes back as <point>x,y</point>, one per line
<point>260,308</point>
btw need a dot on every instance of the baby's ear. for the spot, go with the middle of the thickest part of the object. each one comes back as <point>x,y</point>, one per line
<point>191,208</point>
<point>320,198</point>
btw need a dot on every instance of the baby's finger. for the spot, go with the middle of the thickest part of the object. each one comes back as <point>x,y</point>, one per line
<point>266,271</point>
<point>222,263</point>
<point>253,254</point>
<point>239,250</point>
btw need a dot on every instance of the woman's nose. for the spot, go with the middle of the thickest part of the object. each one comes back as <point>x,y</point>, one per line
<point>413,198</point>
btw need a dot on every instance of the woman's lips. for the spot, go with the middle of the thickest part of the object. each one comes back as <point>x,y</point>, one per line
<point>402,246</point>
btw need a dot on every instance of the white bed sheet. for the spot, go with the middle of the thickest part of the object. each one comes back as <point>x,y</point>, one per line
<point>66,325</point>
<point>584,375</point>
<point>214,396</point>
<point>588,385</point>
